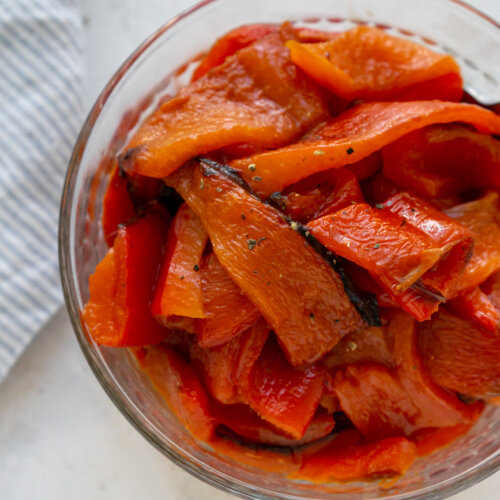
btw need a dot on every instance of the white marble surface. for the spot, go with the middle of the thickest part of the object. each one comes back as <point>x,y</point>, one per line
<point>60,435</point>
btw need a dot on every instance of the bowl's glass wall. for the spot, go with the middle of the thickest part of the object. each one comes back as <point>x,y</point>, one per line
<point>137,86</point>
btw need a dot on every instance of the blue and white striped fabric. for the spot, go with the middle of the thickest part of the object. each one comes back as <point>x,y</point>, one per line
<point>41,77</point>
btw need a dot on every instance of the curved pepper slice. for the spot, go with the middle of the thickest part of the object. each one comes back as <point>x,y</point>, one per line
<point>345,460</point>
<point>179,384</point>
<point>476,306</point>
<point>227,311</point>
<point>284,396</point>
<point>353,135</point>
<point>256,96</point>
<point>440,161</point>
<point>117,313</point>
<point>117,206</point>
<point>298,293</point>
<point>383,402</point>
<point>367,63</point>
<point>397,254</point>
<point>461,356</point>
<point>231,42</point>
<point>453,239</point>
<point>243,421</point>
<point>482,218</point>
<point>226,368</point>
<point>178,289</point>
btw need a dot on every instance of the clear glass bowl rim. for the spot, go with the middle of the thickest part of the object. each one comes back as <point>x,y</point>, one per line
<point>482,471</point>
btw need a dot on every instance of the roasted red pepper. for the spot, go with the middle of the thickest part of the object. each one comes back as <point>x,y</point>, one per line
<point>382,402</point>
<point>288,282</point>
<point>117,313</point>
<point>244,422</point>
<point>482,218</point>
<point>461,356</point>
<point>344,459</point>
<point>230,43</point>
<point>476,306</point>
<point>227,311</point>
<point>259,96</point>
<point>226,368</point>
<point>368,63</point>
<point>438,161</point>
<point>178,288</point>
<point>117,206</point>
<point>181,388</point>
<point>353,135</point>
<point>284,396</point>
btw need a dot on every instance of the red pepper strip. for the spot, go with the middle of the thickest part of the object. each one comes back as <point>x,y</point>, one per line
<point>436,161</point>
<point>430,440</point>
<point>143,189</point>
<point>475,306</point>
<point>461,356</point>
<point>367,63</point>
<point>117,313</point>
<point>117,206</point>
<point>288,282</point>
<point>244,422</point>
<point>178,383</point>
<point>231,42</point>
<point>345,460</point>
<point>353,135</point>
<point>227,311</point>
<point>226,367</point>
<point>284,396</point>
<point>346,192</point>
<point>372,344</point>
<point>482,218</point>
<point>383,402</point>
<point>397,254</point>
<point>257,96</point>
<point>178,288</point>
<point>455,241</point>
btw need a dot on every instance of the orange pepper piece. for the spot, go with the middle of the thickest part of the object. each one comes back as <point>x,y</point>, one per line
<point>367,63</point>
<point>226,368</point>
<point>298,293</point>
<point>482,218</point>
<point>117,313</point>
<point>117,206</point>
<point>346,460</point>
<point>476,306</point>
<point>227,311</point>
<point>461,355</point>
<point>284,396</point>
<point>353,135</point>
<point>231,42</point>
<point>178,289</point>
<point>256,96</point>
<point>243,421</point>
<point>439,161</point>
<point>382,402</point>
<point>179,384</point>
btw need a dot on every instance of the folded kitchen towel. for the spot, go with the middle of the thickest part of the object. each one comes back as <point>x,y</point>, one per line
<point>41,76</point>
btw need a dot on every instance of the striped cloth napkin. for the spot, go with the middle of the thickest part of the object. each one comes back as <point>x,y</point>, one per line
<point>41,77</point>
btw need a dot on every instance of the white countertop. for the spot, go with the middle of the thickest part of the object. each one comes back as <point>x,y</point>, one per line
<point>61,437</point>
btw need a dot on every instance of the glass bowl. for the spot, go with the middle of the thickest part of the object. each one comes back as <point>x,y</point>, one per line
<point>158,67</point>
